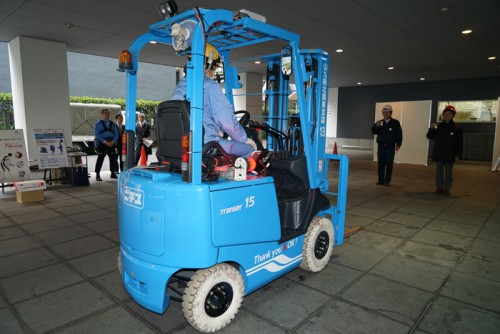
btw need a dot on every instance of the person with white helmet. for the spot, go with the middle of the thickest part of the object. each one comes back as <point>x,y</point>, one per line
<point>389,139</point>
<point>218,112</point>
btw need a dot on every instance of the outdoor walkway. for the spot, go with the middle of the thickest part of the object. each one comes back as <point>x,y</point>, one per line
<point>422,263</point>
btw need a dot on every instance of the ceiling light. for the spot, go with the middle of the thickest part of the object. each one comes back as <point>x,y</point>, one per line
<point>492,58</point>
<point>167,9</point>
<point>445,9</point>
<point>390,68</point>
<point>69,25</point>
<point>359,83</point>
<point>257,62</point>
<point>339,50</point>
<point>466,32</point>
<point>422,79</point>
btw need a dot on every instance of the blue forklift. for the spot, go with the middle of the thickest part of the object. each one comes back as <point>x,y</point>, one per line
<point>205,228</point>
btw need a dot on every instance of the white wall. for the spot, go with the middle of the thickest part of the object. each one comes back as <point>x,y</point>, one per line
<point>40,91</point>
<point>415,117</point>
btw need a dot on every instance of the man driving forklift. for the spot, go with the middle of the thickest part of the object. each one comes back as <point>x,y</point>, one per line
<point>218,112</point>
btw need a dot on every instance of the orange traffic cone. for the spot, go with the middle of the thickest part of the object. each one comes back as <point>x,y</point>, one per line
<point>143,161</point>
<point>335,148</point>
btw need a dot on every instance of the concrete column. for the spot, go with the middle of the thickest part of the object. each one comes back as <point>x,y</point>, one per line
<point>40,91</point>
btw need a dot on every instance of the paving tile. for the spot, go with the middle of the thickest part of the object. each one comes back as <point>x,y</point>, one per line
<point>74,209</point>
<point>395,229</point>
<point>79,247</point>
<point>164,323</point>
<point>490,233</point>
<point>5,222</point>
<point>354,220</point>
<point>17,263</point>
<point>486,248</point>
<point>37,282</point>
<point>429,253</point>
<point>380,242</point>
<point>64,234</point>
<point>103,225</point>
<point>342,317</point>
<point>406,219</point>
<point>368,212</point>
<point>11,232</point>
<point>422,211</point>
<point>17,245</point>
<point>35,216</point>
<point>113,235</point>
<point>48,224</point>
<point>418,274</point>
<point>474,290</point>
<point>453,227</point>
<point>97,263</point>
<point>330,280</point>
<point>91,216</point>
<point>482,266</point>
<point>383,204</point>
<point>114,320</point>
<point>3,303</point>
<point>8,322</point>
<point>100,197</point>
<point>67,202</point>
<point>462,218</point>
<point>356,257</point>
<point>60,307</point>
<point>450,316</point>
<point>443,239</point>
<point>299,301</point>
<point>112,283</point>
<point>24,210</point>
<point>395,300</point>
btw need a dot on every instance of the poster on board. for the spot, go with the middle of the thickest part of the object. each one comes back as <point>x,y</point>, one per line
<point>13,157</point>
<point>51,149</point>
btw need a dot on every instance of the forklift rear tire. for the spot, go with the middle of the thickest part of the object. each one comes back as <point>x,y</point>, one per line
<point>213,297</point>
<point>318,245</point>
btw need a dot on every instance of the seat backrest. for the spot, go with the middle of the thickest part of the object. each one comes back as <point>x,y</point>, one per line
<point>172,122</point>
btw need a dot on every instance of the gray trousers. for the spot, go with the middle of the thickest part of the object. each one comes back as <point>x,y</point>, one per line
<point>444,175</point>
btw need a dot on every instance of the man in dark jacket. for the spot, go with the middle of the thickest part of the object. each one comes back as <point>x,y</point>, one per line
<point>448,143</point>
<point>389,139</point>
<point>142,132</point>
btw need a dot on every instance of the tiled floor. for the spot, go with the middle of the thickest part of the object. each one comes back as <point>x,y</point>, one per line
<point>422,263</point>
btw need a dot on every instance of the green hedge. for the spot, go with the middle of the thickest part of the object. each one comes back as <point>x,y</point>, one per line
<point>147,107</point>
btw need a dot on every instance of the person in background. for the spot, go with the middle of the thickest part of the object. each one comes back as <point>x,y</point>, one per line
<point>448,144</point>
<point>389,139</point>
<point>142,131</point>
<point>121,129</point>
<point>106,133</point>
<point>218,112</point>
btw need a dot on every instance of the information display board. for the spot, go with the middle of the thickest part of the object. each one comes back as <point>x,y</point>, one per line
<point>51,149</point>
<point>13,158</point>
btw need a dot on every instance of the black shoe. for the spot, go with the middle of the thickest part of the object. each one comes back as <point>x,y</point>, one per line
<point>446,192</point>
<point>438,191</point>
<point>113,176</point>
<point>387,184</point>
<point>98,178</point>
<point>379,183</point>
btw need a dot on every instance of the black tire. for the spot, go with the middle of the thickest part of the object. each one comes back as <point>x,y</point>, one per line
<point>318,245</point>
<point>213,297</point>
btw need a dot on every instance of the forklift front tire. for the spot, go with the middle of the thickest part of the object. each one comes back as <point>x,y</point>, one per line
<point>213,297</point>
<point>318,245</point>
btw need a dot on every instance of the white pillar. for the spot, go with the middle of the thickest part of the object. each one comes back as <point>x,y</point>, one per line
<point>40,91</point>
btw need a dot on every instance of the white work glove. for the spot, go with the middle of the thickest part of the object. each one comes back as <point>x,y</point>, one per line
<point>252,143</point>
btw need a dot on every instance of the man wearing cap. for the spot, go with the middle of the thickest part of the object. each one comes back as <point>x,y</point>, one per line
<point>389,139</point>
<point>448,144</point>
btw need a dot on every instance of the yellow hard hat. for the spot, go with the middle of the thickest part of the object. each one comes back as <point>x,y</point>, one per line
<point>211,55</point>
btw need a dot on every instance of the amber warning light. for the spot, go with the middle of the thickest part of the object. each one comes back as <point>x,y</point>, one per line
<point>125,62</point>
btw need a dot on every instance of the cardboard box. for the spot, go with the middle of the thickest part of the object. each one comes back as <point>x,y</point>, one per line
<point>29,191</point>
<point>29,196</point>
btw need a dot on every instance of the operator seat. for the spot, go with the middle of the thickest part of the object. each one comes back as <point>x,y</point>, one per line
<point>172,122</point>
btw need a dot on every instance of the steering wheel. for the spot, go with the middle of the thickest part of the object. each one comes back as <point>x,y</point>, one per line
<point>245,118</point>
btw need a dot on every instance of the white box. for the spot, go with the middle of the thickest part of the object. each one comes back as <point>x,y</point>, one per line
<point>31,185</point>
